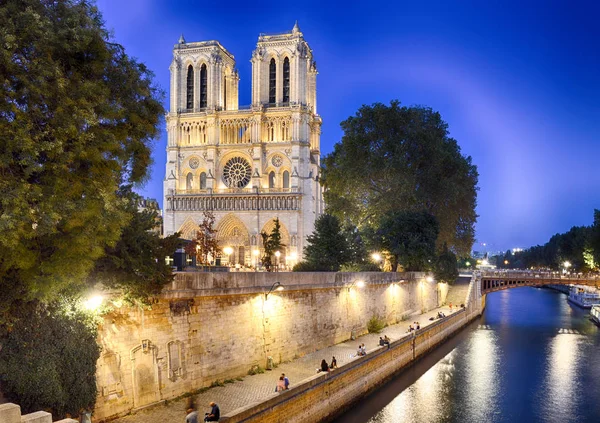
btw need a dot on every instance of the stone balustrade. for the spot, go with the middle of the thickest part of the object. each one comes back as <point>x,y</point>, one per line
<point>11,413</point>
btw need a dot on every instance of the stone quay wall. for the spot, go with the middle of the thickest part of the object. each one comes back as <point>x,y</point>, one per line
<point>217,326</point>
<point>325,395</point>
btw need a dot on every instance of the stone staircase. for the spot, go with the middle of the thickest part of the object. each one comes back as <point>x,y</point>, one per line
<point>457,293</point>
<point>11,413</point>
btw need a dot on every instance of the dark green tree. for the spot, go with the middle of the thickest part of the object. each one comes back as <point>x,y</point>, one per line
<point>205,245</point>
<point>327,248</point>
<point>136,265</point>
<point>271,244</point>
<point>77,120</point>
<point>446,269</point>
<point>408,238</point>
<point>48,359</point>
<point>402,158</point>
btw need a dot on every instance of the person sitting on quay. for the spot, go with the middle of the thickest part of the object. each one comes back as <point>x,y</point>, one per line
<point>333,364</point>
<point>215,413</point>
<point>363,349</point>
<point>410,328</point>
<point>286,381</point>
<point>192,416</point>
<point>417,326</point>
<point>280,385</point>
<point>386,340</point>
<point>324,366</point>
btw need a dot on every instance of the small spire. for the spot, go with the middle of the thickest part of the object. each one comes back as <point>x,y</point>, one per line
<point>296,28</point>
<point>181,39</point>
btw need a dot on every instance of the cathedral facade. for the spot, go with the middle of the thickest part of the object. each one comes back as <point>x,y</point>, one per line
<point>247,165</point>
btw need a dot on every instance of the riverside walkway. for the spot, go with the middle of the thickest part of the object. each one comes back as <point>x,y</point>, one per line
<point>257,388</point>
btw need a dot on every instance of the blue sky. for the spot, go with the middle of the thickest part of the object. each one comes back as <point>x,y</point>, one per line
<point>517,82</point>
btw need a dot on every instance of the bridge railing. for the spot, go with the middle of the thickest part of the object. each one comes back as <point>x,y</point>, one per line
<point>514,274</point>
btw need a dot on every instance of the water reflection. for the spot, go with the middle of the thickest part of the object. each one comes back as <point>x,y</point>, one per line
<point>482,381</point>
<point>559,396</point>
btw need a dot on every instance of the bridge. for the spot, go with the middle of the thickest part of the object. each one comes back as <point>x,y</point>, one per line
<point>492,281</point>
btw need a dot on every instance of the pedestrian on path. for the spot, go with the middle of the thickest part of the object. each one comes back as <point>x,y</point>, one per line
<point>286,381</point>
<point>192,416</point>
<point>215,413</point>
<point>280,385</point>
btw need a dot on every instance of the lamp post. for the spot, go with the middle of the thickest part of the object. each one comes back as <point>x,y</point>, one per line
<point>256,254</point>
<point>277,254</point>
<point>566,266</point>
<point>228,251</point>
<point>277,286</point>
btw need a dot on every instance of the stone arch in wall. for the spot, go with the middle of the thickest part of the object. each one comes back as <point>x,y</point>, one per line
<point>188,229</point>
<point>231,232</point>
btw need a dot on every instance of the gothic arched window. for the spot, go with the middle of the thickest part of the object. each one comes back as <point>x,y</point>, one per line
<point>189,181</point>
<point>272,81</point>
<point>190,88</point>
<point>272,180</point>
<point>203,180</point>
<point>286,80</point>
<point>203,87</point>
<point>286,179</point>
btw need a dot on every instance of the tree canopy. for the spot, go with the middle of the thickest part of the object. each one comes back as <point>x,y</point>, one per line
<point>327,248</point>
<point>77,120</point>
<point>402,158</point>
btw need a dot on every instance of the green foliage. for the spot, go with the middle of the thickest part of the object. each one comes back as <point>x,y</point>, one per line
<point>48,359</point>
<point>136,264</point>
<point>409,239</point>
<point>271,244</point>
<point>77,120</point>
<point>327,247</point>
<point>446,269</point>
<point>365,266</point>
<point>394,158</point>
<point>375,324</point>
<point>255,370</point>
<point>572,246</point>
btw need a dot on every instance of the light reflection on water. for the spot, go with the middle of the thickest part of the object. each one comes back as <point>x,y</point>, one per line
<point>532,357</point>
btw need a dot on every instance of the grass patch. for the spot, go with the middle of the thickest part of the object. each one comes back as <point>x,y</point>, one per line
<point>375,325</point>
<point>255,370</point>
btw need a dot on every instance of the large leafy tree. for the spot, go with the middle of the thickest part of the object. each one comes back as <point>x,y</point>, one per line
<point>408,238</point>
<point>327,247</point>
<point>136,265</point>
<point>271,244</point>
<point>77,119</point>
<point>402,158</point>
<point>446,266</point>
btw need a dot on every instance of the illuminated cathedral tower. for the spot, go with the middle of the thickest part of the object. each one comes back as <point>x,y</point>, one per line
<point>248,165</point>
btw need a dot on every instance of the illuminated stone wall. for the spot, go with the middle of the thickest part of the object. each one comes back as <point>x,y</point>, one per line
<point>216,326</point>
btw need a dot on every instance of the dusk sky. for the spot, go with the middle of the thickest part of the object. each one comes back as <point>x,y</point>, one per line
<point>517,82</point>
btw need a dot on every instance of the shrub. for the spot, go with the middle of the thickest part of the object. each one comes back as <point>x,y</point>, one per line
<point>360,267</point>
<point>375,325</point>
<point>48,359</point>
<point>256,369</point>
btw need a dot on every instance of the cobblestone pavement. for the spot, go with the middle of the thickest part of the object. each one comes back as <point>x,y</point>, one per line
<point>256,388</point>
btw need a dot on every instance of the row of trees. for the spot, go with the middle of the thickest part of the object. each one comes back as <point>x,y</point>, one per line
<point>579,247</point>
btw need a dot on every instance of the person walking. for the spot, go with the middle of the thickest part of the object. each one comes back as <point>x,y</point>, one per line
<point>192,416</point>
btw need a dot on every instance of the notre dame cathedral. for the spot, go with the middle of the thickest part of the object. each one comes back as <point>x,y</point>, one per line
<point>246,164</point>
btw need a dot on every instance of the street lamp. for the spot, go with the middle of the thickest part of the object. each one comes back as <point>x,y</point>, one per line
<point>277,286</point>
<point>358,284</point>
<point>228,251</point>
<point>256,254</point>
<point>277,254</point>
<point>566,266</point>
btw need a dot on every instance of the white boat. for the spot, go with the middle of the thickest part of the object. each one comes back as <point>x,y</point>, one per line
<point>595,314</point>
<point>584,296</point>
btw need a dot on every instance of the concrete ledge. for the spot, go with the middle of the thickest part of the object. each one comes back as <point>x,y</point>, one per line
<point>10,413</point>
<point>67,421</point>
<point>37,417</point>
<point>322,396</point>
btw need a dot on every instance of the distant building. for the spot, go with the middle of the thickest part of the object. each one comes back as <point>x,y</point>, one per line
<point>248,165</point>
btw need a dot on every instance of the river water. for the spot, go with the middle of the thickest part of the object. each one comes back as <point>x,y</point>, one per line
<point>532,357</point>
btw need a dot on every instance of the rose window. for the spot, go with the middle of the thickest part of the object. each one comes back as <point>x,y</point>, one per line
<point>277,161</point>
<point>237,173</point>
<point>194,162</point>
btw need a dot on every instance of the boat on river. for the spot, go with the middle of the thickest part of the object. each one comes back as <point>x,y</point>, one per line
<point>584,297</point>
<point>595,314</point>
